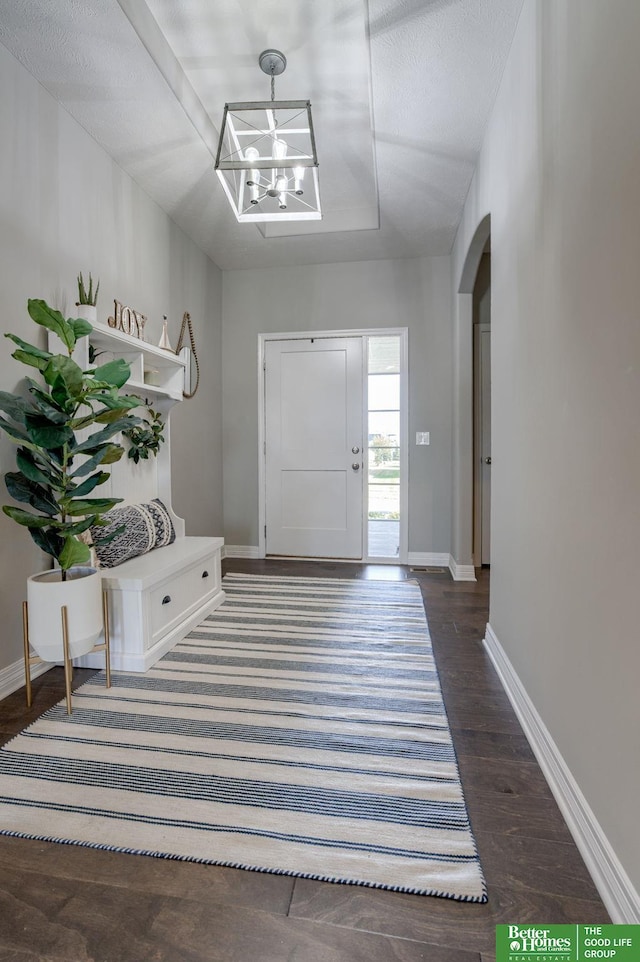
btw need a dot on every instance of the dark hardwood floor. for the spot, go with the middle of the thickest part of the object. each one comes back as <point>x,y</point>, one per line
<point>70,904</point>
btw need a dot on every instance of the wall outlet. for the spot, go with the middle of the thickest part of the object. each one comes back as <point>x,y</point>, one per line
<point>422,437</point>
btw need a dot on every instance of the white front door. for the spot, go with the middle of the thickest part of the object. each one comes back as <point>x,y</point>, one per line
<point>314,444</point>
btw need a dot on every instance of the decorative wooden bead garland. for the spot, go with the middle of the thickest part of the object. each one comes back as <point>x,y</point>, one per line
<point>186,322</point>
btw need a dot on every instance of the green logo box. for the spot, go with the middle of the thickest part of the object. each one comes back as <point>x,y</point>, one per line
<point>567,943</point>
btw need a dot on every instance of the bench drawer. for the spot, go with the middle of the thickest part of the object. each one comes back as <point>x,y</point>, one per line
<point>174,599</point>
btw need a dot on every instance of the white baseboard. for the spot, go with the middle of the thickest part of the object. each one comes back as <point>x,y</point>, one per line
<point>426,558</point>
<point>461,572</point>
<point>429,559</point>
<point>618,893</point>
<point>12,677</point>
<point>241,551</point>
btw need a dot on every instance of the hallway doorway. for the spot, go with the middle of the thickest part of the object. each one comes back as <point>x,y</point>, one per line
<point>482,412</point>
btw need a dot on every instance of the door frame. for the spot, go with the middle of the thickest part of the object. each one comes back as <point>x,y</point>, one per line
<point>479,372</point>
<point>364,333</point>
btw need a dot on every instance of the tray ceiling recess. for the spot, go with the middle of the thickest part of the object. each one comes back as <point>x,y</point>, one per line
<point>400,90</point>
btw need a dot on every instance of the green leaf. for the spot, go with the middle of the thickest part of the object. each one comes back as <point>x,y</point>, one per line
<point>87,486</point>
<point>25,517</point>
<point>104,454</point>
<point>47,435</point>
<point>43,403</point>
<point>48,540</point>
<point>116,372</point>
<point>74,553</point>
<point>29,359</point>
<point>80,326</point>
<point>78,527</point>
<point>121,425</point>
<point>102,539</point>
<point>114,402</point>
<point>14,405</point>
<point>113,454</point>
<point>30,348</point>
<point>108,417</point>
<point>132,400</point>
<point>91,505</point>
<point>54,455</point>
<point>29,353</point>
<point>46,316</point>
<point>16,434</point>
<point>60,394</point>
<point>30,492</point>
<point>64,369</point>
<point>31,469</point>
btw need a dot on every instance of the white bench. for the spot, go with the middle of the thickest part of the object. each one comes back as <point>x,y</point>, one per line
<point>158,598</point>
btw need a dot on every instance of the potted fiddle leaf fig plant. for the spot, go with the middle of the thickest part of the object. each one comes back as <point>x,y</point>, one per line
<point>65,434</point>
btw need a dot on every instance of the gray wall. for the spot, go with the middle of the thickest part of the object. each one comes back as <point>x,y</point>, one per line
<point>559,174</point>
<point>65,207</point>
<point>412,293</point>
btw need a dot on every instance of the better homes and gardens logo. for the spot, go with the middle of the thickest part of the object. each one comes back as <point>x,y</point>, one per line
<point>567,943</point>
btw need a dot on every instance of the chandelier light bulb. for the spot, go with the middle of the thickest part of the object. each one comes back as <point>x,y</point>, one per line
<point>279,149</point>
<point>281,183</point>
<point>283,201</point>
<point>254,193</point>
<point>298,175</point>
<point>251,154</point>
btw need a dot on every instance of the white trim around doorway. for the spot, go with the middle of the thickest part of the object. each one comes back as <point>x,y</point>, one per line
<point>403,334</point>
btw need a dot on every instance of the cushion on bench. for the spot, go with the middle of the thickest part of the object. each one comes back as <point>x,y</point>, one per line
<point>146,526</point>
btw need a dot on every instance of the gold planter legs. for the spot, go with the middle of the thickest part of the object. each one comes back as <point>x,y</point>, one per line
<point>30,659</point>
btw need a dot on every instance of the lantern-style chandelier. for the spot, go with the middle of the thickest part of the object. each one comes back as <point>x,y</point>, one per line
<point>266,159</point>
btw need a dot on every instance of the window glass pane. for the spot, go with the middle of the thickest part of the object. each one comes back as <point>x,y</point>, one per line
<point>384,501</point>
<point>384,465</point>
<point>384,538</point>
<point>384,392</point>
<point>384,355</point>
<point>383,455</point>
<point>384,429</point>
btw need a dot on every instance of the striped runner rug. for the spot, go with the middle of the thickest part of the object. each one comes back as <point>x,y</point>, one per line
<point>298,730</point>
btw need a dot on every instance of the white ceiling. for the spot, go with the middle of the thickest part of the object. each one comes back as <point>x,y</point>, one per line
<point>400,89</point>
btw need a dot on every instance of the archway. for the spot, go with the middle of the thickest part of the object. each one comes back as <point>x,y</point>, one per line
<point>462,560</point>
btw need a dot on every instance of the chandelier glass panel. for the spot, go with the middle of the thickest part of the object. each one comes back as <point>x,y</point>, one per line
<point>266,159</point>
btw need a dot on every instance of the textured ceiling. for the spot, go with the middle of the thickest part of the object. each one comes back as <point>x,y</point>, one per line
<point>401,92</point>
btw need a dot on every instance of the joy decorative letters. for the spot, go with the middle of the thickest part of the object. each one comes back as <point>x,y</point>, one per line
<point>127,320</point>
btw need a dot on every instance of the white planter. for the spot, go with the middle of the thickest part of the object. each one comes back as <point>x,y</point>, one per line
<point>82,594</point>
<point>87,311</point>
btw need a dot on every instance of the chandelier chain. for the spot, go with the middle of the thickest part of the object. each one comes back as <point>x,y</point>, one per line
<point>273,83</point>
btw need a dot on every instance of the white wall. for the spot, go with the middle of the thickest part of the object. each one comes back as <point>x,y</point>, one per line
<point>560,175</point>
<point>65,207</point>
<point>371,294</point>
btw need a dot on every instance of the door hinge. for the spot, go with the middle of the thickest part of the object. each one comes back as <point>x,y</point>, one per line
<point>265,531</point>
<point>264,447</point>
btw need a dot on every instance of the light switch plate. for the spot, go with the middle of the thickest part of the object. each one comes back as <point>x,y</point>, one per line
<point>422,437</point>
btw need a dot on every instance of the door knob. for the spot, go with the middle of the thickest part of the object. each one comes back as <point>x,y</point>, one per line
<point>355,450</point>
<point>355,466</point>
<point>487,460</point>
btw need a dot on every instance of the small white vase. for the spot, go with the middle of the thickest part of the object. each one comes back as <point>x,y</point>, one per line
<point>82,594</point>
<point>87,311</point>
